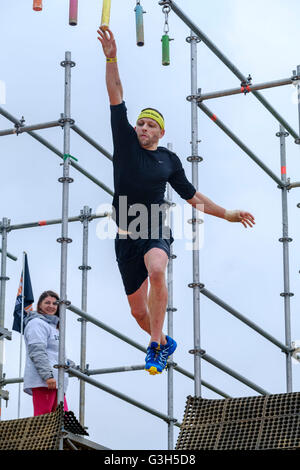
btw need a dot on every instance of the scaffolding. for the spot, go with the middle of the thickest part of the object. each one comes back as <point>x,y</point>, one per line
<point>67,123</point>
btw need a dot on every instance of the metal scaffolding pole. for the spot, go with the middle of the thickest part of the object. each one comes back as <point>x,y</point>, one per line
<point>53,149</point>
<point>286,269</point>
<point>235,139</point>
<point>42,223</point>
<point>91,141</point>
<point>245,320</point>
<point>298,98</point>
<point>227,62</point>
<point>85,219</point>
<point>245,89</point>
<point>4,229</point>
<point>21,129</point>
<point>194,159</point>
<point>120,395</point>
<point>170,310</point>
<point>9,255</point>
<point>64,240</point>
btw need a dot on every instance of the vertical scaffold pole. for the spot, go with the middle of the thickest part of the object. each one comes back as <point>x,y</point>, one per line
<point>85,215</point>
<point>194,159</point>
<point>285,241</point>
<point>64,240</point>
<point>298,99</point>
<point>170,310</point>
<point>4,227</point>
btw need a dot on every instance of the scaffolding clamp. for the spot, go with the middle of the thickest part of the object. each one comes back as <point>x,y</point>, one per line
<point>287,294</point>
<point>194,97</point>
<point>171,309</point>
<point>4,333</point>
<point>196,284</point>
<point>195,221</point>
<point>62,121</point>
<point>64,63</point>
<point>19,125</point>
<point>4,395</point>
<point>197,352</point>
<point>285,239</point>
<point>64,179</point>
<point>194,158</point>
<point>84,268</point>
<point>246,84</point>
<point>296,351</point>
<point>190,39</point>
<point>282,134</point>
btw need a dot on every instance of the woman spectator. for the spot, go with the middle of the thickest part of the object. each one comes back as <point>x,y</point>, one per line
<point>41,336</point>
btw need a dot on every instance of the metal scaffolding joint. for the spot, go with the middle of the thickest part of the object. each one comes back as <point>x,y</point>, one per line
<point>189,39</point>
<point>194,158</point>
<point>63,121</point>
<point>194,97</point>
<point>287,294</point>
<point>64,239</point>
<point>5,334</point>
<point>197,352</point>
<point>282,134</point>
<point>196,284</point>
<point>64,63</point>
<point>65,179</point>
<point>285,239</point>
<point>195,221</point>
<point>84,268</point>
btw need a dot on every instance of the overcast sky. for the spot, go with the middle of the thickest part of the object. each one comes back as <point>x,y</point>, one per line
<point>243,267</point>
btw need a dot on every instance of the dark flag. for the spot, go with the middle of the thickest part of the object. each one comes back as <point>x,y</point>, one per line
<point>28,298</point>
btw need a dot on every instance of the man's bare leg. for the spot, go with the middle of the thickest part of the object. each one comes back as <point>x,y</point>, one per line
<point>138,302</point>
<point>156,261</point>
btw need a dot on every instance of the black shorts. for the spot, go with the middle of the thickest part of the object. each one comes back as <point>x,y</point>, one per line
<point>130,257</point>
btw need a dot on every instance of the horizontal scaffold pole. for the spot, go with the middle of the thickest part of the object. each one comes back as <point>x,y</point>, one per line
<point>22,129</point>
<point>42,223</point>
<point>116,333</point>
<point>235,139</point>
<point>249,89</point>
<point>227,62</point>
<point>245,320</point>
<point>120,395</point>
<point>57,152</point>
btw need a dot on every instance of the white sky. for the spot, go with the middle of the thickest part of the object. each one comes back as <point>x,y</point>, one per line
<point>243,267</point>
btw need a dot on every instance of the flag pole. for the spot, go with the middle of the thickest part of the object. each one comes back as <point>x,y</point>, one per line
<point>21,335</point>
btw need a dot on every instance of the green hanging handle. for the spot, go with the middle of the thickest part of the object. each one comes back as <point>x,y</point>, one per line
<point>165,49</point>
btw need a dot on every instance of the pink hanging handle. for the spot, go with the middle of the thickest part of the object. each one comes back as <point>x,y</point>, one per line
<point>73,16</point>
<point>37,5</point>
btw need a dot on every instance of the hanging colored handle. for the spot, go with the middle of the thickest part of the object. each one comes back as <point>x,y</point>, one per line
<point>165,49</point>
<point>37,5</point>
<point>73,13</point>
<point>105,15</point>
<point>139,25</point>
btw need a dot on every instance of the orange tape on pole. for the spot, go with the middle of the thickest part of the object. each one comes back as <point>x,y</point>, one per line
<point>37,5</point>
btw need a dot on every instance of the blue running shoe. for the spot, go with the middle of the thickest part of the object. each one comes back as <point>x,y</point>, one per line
<point>168,349</point>
<point>154,363</point>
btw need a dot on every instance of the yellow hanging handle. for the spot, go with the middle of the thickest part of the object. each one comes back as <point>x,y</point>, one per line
<point>105,15</point>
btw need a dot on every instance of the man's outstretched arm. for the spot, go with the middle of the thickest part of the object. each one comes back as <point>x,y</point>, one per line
<point>201,202</point>
<point>113,82</point>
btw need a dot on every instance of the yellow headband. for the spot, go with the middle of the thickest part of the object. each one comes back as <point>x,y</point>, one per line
<point>152,114</point>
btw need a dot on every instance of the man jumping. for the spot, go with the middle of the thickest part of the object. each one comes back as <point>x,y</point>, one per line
<point>141,172</point>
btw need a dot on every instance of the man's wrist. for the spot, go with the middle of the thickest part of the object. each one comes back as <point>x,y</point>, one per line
<point>111,59</point>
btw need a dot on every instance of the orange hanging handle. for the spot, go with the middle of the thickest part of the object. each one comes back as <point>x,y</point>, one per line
<point>37,5</point>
